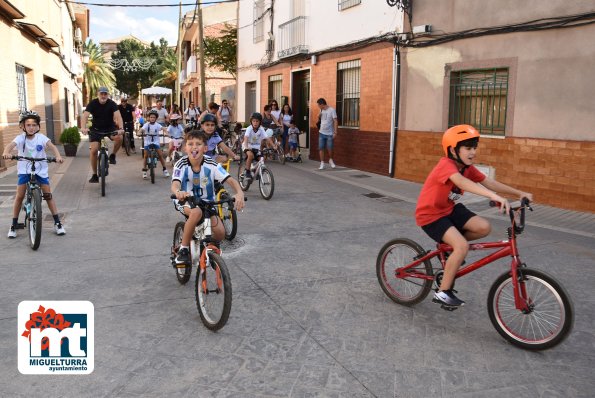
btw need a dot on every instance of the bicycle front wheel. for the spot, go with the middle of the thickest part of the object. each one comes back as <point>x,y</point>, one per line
<point>213,292</point>
<point>546,323</point>
<point>182,271</point>
<point>266,183</point>
<point>409,290</point>
<point>35,219</point>
<point>102,171</point>
<point>152,169</point>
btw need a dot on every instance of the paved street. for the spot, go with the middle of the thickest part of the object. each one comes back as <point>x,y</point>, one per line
<point>308,317</point>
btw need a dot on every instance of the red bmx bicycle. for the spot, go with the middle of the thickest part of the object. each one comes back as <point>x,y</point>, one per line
<point>529,308</point>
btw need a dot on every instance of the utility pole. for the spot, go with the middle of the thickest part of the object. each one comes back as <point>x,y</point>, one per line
<point>177,88</point>
<point>201,52</point>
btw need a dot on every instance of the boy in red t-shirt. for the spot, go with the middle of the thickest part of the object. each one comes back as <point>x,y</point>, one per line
<point>453,224</point>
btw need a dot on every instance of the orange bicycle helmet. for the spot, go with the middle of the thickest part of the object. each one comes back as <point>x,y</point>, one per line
<point>457,134</point>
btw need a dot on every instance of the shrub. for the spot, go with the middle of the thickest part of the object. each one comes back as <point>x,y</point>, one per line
<point>70,135</point>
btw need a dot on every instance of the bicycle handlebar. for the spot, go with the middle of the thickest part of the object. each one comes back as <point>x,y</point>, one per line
<point>18,157</point>
<point>525,204</point>
<point>194,201</point>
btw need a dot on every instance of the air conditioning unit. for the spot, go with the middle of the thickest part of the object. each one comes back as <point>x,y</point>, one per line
<point>78,35</point>
<point>270,45</point>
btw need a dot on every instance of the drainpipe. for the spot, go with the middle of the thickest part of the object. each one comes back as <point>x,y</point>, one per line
<point>394,122</point>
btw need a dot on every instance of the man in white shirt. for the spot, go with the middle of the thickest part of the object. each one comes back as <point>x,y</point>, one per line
<point>327,131</point>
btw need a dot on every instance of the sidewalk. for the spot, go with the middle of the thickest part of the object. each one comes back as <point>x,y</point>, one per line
<point>391,189</point>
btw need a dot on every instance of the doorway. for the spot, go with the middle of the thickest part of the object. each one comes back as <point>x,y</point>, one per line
<point>250,99</point>
<point>300,102</point>
<point>49,107</point>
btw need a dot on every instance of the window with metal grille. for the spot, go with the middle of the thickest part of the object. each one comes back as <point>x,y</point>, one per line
<point>275,87</point>
<point>345,4</point>
<point>348,91</point>
<point>479,98</point>
<point>21,87</point>
<point>258,24</point>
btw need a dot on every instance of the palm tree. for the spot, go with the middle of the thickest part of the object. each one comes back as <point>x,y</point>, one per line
<point>97,72</point>
<point>169,71</point>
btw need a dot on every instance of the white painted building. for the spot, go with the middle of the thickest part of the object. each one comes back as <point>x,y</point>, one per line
<point>278,31</point>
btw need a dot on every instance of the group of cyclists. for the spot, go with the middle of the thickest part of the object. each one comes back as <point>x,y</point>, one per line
<point>197,173</point>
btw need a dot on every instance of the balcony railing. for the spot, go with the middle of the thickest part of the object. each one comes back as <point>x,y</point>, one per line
<point>293,37</point>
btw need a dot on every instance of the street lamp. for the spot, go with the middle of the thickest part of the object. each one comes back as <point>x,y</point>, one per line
<point>86,58</point>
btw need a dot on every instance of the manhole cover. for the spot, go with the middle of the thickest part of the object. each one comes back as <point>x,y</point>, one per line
<point>235,244</point>
<point>360,176</point>
<point>373,195</point>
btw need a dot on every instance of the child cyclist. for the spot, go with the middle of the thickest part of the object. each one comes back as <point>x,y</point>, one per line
<point>196,175</point>
<point>293,134</point>
<point>151,131</point>
<point>452,223</point>
<point>32,144</point>
<point>176,133</point>
<point>214,140</point>
<point>254,138</point>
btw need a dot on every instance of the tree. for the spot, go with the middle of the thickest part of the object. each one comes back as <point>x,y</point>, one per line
<point>169,71</point>
<point>220,52</point>
<point>128,81</point>
<point>97,72</point>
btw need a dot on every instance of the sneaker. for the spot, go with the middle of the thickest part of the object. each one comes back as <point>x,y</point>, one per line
<point>165,173</point>
<point>12,232</point>
<point>144,175</point>
<point>330,161</point>
<point>447,298</point>
<point>59,229</point>
<point>94,179</point>
<point>321,166</point>
<point>248,175</point>
<point>183,257</point>
<point>112,158</point>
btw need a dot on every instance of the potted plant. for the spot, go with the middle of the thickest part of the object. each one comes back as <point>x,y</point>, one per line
<point>70,138</point>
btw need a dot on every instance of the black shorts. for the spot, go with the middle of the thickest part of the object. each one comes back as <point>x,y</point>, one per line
<point>94,136</point>
<point>458,218</point>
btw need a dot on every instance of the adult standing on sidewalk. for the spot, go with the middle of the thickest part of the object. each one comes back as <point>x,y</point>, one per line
<point>327,131</point>
<point>106,118</point>
<point>128,112</point>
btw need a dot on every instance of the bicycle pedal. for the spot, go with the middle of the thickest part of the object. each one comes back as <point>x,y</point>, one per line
<point>448,307</point>
<point>20,226</point>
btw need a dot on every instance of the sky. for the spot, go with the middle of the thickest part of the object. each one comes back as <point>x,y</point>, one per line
<point>146,23</point>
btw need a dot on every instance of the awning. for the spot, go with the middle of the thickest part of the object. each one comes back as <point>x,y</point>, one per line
<point>156,91</point>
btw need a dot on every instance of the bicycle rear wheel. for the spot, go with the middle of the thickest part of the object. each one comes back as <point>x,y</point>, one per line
<point>244,182</point>
<point>229,217</point>
<point>266,184</point>
<point>182,271</point>
<point>35,219</point>
<point>281,155</point>
<point>213,292</point>
<point>396,254</point>
<point>127,143</point>
<point>102,171</point>
<point>550,316</point>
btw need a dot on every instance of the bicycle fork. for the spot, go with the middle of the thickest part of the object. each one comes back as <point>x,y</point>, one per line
<point>205,261</point>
